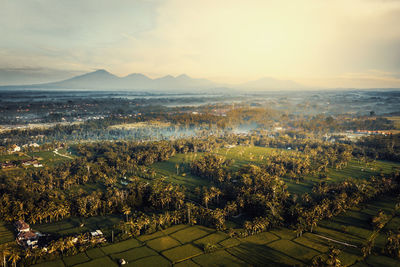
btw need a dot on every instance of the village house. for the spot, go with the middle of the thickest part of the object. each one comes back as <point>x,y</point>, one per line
<point>15,148</point>
<point>97,236</point>
<point>26,237</point>
<point>7,165</point>
<point>34,162</point>
<point>34,145</point>
<point>31,145</point>
<point>22,226</point>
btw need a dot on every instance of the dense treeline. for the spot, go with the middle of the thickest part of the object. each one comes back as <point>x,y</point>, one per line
<point>211,166</point>
<point>259,191</point>
<point>50,193</point>
<point>186,122</point>
<point>323,154</point>
<point>380,147</point>
<point>325,124</point>
<point>328,200</point>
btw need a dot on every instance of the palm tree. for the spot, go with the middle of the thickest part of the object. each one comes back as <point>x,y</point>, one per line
<point>333,259</point>
<point>4,253</point>
<point>190,206</point>
<point>14,257</point>
<point>126,210</point>
<point>206,198</point>
<point>28,253</point>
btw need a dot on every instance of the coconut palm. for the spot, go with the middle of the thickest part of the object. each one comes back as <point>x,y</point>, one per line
<point>4,253</point>
<point>127,211</point>
<point>14,257</point>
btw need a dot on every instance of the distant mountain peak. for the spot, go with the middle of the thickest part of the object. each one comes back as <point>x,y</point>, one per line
<point>100,72</point>
<point>137,76</point>
<point>183,75</point>
<point>102,79</point>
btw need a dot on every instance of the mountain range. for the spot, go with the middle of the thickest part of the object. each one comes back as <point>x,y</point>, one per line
<point>104,80</point>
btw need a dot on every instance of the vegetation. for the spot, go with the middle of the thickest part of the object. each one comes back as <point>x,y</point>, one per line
<point>168,185</point>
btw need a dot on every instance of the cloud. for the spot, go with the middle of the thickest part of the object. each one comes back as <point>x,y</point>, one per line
<point>233,40</point>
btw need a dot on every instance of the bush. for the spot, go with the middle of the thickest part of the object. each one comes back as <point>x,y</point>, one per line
<point>209,247</point>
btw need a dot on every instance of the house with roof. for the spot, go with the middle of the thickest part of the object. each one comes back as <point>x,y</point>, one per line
<point>22,226</point>
<point>26,237</point>
<point>15,148</point>
<point>97,236</point>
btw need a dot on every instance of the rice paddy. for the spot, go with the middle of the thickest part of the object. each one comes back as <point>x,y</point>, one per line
<point>183,245</point>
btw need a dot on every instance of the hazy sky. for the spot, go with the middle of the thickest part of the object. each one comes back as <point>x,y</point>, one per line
<point>328,43</point>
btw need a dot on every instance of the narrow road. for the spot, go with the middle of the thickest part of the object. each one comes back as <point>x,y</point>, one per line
<point>61,155</point>
<point>336,241</point>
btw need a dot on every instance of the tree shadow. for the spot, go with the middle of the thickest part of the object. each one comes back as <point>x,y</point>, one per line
<point>260,255</point>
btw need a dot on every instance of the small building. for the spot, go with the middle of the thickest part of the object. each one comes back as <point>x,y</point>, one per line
<point>97,236</point>
<point>32,162</point>
<point>26,237</point>
<point>15,148</point>
<point>7,165</point>
<point>22,226</point>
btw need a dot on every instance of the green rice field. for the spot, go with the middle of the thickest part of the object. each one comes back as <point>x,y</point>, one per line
<point>6,233</point>
<point>183,245</point>
<point>243,155</point>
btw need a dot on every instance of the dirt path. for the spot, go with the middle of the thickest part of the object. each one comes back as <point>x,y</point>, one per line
<point>336,241</point>
<point>62,155</point>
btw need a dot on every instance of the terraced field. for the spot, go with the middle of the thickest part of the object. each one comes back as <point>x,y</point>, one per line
<point>183,245</point>
<point>75,225</point>
<point>6,233</point>
<point>68,226</point>
<point>354,226</point>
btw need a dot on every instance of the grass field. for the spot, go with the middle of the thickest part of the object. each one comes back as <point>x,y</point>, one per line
<point>14,156</point>
<point>72,225</point>
<point>6,233</point>
<point>255,155</point>
<point>47,158</point>
<point>355,225</point>
<point>183,245</point>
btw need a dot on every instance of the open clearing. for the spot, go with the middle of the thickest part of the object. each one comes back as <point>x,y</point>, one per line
<point>47,158</point>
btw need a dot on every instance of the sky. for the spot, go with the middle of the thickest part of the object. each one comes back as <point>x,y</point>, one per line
<point>317,43</point>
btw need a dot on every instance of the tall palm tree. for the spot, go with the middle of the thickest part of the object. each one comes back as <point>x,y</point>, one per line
<point>190,207</point>
<point>126,210</point>
<point>4,253</point>
<point>14,257</point>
